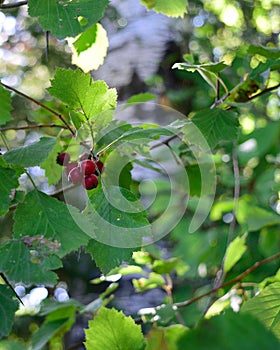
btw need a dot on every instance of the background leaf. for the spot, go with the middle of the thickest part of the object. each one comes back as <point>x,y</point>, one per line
<point>8,307</point>
<point>61,18</point>
<point>8,181</point>
<point>5,106</point>
<point>111,329</point>
<point>170,8</point>
<point>165,338</point>
<point>30,155</point>
<point>234,252</point>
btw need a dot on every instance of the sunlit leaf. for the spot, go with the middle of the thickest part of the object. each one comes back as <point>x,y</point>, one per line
<point>140,98</point>
<point>176,8</point>
<point>234,252</point>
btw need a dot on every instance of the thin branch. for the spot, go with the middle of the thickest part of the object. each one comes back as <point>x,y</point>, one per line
<point>33,127</point>
<point>265,91</point>
<point>230,282</point>
<point>52,111</point>
<point>14,5</point>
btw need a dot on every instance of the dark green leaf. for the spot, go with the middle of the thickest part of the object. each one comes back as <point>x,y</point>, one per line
<point>269,52</point>
<point>107,257</point>
<point>20,265</point>
<point>229,332</point>
<point>64,18</point>
<point>5,106</point>
<point>8,307</point>
<point>52,219</point>
<point>8,181</point>
<point>111,329</point>
<point>30,155</point>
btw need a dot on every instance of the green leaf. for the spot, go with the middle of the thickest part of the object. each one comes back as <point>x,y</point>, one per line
<point>8,181</point>
<point>165,266</point>
<point>210,67</point>
<point>5,106</point>
<point>120,218</point>
<point>67,18</point>
<point>90,48</point>
<point>107,257</point>
<point>19,265</point>
<point>268,52</point>
<point>165,338</point>
<point>217,125</point>
<point>234,252</point>
<point>254,217</point>
<point>176,8</point>
<point>50,218</point>
<point>30,155</point>
<point>8,307</point>
<point>153,280</point>
<point>111,329</point>
<point>82,94</point>
<point>140,98</point>
<point>53,170</point>
<point>265,307</point>
<point>229,331</point>
<point>12,345</point>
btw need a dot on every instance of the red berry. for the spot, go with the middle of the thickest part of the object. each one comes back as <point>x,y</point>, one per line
<point>71,166</point>
<point>75,176</point>
<point>63,158</point>
<point>100,167</point>
<point>90,182</point>
<point>87,167</point>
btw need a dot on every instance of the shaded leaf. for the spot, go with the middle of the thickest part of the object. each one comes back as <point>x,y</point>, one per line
<point>164,338</point>
<point>67,18</point>
<point>5,106</point>
<point>8,307</point>
<point>111,329</point>
<point>269,52</point>
<point>32,154</point>
<point>52,219</point>
<point>8,181</point>
<point>266,307</point>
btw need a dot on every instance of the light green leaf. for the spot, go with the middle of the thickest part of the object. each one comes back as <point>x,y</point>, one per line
<point>217,125</point>
<point>30,155</point>
<point>176,8</point>
<point>107,257</point>
<point>165,338</point>
<point>253,217</point>
<point>51,218</point>
<point>140,98</point>
<point>82,94</point>
<point>67,18</point>
<point>53,170</point>
<point>19,265</point>
<point>153,280</point>
<point>165,266</point>
<point>120,217</point>
<point>5,106</point>
<point>234,252</point>
<point>8,307</point>
<point>90,49</point>
<point>229,331</point>
<point>8,181</point>
<point>111,329</point>
<point>266,307</point>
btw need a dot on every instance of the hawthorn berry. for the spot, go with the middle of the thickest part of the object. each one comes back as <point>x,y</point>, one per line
<point>75,176</point>
<point>87,167</point>
<point>100,167</point>
<point>71,166</point>
<point>63,158</point>
<point>90,182</point>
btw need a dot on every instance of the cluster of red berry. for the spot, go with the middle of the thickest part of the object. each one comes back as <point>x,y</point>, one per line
<point>84,172</point>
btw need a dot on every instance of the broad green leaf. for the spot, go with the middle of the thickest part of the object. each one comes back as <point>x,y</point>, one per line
<point>211,67</point>
<point>90,49</point>
<point>165,338</point>
<point>140,98</point>
<point>53,170</point>
<point>5,106</point>
<point>30,155</point>
<point>234,252</point>
<point>107,257</point>
<point>217,125</point>
<point>120,218</point>
<point>51,218</point>
<point>8,181</point>
<point>165,266</point>
<point>8,307</point>
<point>19,264</point>
<point>229,331</point>
<point>67,18</point>
<point>254,217</point>
<point>268,52</point>
<point>78,90</point>
<point>176,8</point>
<point>111,329</point>
<point>266,307</point>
